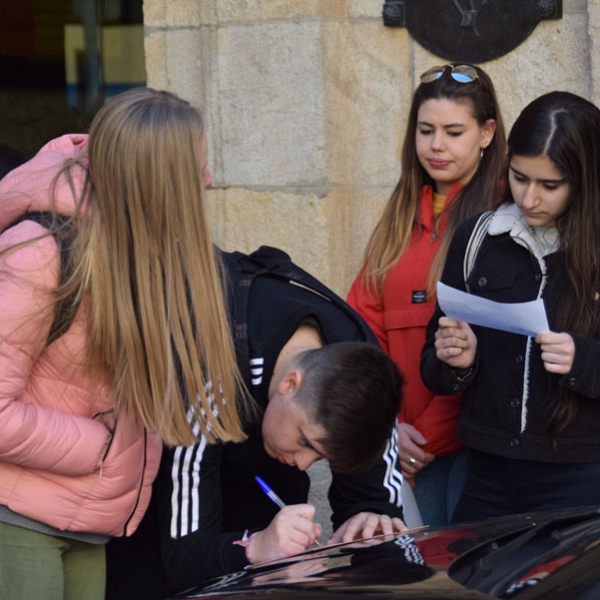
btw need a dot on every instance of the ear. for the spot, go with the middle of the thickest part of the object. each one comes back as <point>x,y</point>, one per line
<point>291,382</point>
<point>487,132</point>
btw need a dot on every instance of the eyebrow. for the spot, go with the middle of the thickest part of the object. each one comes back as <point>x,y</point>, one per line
<point>556,181</point>
<point>447,126</point>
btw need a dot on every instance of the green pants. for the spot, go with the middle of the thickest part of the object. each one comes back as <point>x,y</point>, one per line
<point>35,565</point>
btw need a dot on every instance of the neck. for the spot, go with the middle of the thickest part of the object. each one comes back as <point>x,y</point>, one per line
<point>306,337</point>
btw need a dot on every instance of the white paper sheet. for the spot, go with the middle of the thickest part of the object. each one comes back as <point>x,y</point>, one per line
<point>526,318</point>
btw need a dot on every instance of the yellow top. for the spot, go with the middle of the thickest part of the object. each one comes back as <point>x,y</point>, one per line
<point>438,204</point>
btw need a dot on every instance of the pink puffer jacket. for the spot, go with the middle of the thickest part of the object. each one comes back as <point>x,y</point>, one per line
<point>54,421</point>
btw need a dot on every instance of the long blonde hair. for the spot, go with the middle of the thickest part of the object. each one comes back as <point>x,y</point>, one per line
<point>145,264</point>
<point>392,234</point>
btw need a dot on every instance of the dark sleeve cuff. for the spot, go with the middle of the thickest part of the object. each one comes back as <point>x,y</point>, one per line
<point>584,376</point>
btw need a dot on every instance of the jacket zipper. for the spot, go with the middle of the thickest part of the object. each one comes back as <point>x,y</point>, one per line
<point>140,487</point>
<point>526,365</point>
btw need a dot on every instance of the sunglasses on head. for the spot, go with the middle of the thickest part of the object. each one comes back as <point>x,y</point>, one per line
<point>460,73</point>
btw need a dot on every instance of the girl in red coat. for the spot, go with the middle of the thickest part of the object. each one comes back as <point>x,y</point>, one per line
<point>452,160</point>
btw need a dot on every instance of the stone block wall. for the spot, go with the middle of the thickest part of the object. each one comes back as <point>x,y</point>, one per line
<point>305,104</point>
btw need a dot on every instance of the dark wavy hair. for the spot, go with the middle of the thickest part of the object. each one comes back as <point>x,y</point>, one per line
<point>566,128</point>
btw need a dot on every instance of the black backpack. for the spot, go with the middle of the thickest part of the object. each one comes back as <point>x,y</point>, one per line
<point>242,270</point>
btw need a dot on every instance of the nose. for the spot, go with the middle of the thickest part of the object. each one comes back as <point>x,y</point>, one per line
<point>530,197</point>
<point>306,458</point>
<point>437,140</point>
<point>207,178</point>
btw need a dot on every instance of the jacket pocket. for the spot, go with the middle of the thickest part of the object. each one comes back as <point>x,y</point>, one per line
<point>484,282</point>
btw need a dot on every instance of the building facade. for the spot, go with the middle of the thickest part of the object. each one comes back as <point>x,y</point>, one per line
<point>305,105</point>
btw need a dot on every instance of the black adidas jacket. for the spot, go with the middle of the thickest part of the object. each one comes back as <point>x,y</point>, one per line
<point>206,494</point>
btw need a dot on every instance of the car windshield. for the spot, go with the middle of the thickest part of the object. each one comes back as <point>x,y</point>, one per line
<point>507,566</point>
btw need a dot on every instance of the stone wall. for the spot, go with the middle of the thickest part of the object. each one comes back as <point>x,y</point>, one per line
<point>305,104</point>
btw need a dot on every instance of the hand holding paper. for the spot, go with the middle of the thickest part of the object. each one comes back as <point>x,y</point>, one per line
<point>455,343</point>
<point>525,318</point>
<point>558,351</point>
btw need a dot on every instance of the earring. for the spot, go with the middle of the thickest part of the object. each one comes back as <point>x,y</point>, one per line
<point>481,153</point>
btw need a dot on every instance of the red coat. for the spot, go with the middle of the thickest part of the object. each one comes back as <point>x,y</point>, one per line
<point>399,323</point>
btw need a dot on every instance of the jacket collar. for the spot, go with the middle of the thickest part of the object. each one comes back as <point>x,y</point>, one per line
<point>508,219</point>
<point>426,218</point>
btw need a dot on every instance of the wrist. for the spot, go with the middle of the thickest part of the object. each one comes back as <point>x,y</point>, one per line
<point>463,374</point>
<point>245,542</point>
<point>249,556</point>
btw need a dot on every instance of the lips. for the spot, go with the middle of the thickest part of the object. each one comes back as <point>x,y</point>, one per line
<point>438,164</point>
<point>532,215</point>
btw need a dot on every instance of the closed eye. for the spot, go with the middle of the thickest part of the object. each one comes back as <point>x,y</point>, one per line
<point>306,444</point>
<point>552,186</point>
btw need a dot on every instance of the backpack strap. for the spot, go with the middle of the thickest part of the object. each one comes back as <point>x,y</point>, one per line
<point>276,263</point>
<point>64,232</point>
<point>477,235</point>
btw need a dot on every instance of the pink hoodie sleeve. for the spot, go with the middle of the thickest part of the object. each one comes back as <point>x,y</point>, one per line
<point>34,433</point>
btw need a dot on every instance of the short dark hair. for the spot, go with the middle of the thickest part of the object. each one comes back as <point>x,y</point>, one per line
<point>353,390</point>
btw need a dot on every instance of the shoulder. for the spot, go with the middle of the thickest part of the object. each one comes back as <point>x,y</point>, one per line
<point>29,265</point>
<point>38,248</point>
<point>480,220</point>
<point>477,223</point>
<point>264,258</point>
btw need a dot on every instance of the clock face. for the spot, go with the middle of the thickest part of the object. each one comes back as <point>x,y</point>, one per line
<point>470,30</point>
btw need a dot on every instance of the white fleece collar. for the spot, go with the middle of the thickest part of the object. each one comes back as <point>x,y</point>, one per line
<point>508,219</point>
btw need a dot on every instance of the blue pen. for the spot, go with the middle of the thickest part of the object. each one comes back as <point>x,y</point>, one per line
<point>266,488</point>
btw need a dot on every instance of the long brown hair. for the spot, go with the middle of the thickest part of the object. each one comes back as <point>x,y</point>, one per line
<point>392,234</point>
<point>146,267</point>
<point>566,128</point>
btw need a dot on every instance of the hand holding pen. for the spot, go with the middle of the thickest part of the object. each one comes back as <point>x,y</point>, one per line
<point>291,531</point>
